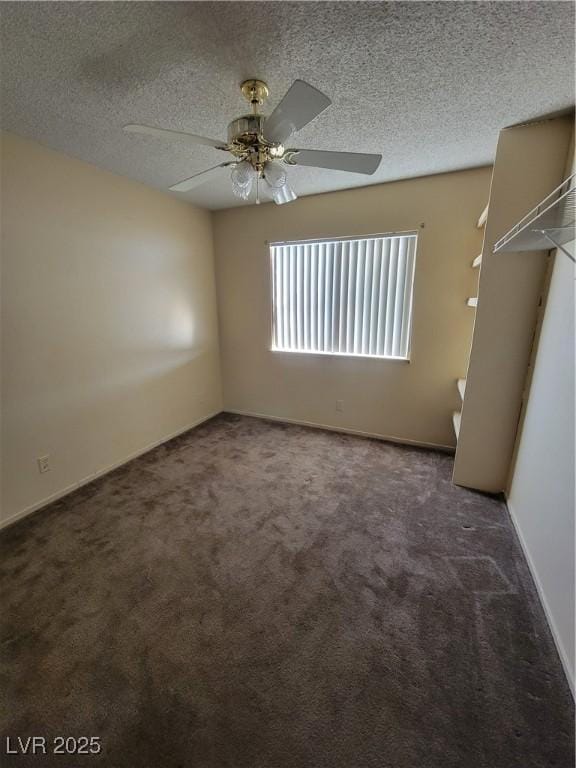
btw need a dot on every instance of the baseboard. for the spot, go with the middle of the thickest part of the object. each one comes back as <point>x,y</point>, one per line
<point>541,594</point>
<point>345,430</point>
<point>89,478</point>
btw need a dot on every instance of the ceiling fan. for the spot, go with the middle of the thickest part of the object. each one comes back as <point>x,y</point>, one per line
<point>257,144</point>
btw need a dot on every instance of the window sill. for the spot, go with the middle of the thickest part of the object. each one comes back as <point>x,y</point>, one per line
<point>340,354</point>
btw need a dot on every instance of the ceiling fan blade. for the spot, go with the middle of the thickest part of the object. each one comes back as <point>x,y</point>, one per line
<point>164,133</point>
<point>194,181</point>
<point>301,104</point>
<point>355,162</point>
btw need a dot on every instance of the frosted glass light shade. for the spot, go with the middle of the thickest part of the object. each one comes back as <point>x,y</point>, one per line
<point>283,195</point>
<point>243,176</point>
<point>275,175</point>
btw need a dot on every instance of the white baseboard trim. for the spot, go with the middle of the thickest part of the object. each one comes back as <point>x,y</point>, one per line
<point>542,595</point>
<point>89,478</point>
<point>345,430</point>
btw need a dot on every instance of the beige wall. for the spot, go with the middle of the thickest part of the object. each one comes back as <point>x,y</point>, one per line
<point>409,401</point>
<point>541,496</point>
<point>109,326</point>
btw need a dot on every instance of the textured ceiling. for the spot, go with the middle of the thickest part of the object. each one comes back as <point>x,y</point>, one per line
<point>428,85</point>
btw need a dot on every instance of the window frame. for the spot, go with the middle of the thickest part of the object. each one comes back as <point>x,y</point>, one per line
<point>270,244</point>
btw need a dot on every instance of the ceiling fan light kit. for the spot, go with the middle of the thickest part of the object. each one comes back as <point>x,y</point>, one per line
<point>257,144</point>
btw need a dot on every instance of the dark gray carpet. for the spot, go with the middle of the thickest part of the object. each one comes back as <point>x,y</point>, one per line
<point>257,595</point>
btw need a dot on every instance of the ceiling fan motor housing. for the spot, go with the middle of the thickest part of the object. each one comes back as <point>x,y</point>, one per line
<point>245,141</point>
<point>245,130</point>
<point>246,133</point>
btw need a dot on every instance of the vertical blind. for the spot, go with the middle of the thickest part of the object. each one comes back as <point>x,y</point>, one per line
<point>349,297</point>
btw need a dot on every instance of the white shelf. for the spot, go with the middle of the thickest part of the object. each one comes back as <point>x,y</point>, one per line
<point>483,217</point>
<point>477,261</point>
<point>461,384</point>
<point>551,224</point>
<point>472,302</point>
<point>456,416</point>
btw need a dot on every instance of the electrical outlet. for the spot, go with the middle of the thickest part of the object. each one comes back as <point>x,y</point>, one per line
<point>339,406</point>
<point>43,464</point>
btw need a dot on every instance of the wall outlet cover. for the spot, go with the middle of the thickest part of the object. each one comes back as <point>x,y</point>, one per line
<point>43,464</point>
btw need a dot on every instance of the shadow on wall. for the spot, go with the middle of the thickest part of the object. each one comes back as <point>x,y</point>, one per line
<point>117,377</point>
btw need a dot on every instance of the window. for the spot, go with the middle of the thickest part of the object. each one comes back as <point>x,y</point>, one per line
<point>344,296</point>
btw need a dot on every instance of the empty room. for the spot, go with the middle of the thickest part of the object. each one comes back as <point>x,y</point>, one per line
<point>287,384</point>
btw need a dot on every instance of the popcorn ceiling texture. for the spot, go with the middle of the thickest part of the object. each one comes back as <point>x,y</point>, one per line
<point>428,85</point>
<point>257,595</point>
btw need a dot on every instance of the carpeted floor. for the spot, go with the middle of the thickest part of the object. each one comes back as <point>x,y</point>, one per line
<point>257,595</point>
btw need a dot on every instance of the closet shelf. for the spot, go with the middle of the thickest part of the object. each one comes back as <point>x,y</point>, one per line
<point>461,384</point>
<point>483,217</point>
<point>551,224</point>
<point>456,416</point>
<point>472,302</point>
<point>477,261</point>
